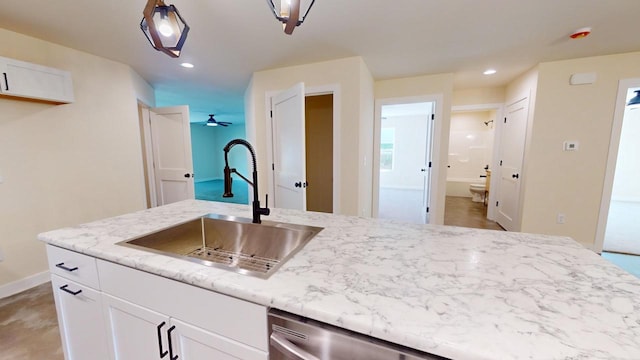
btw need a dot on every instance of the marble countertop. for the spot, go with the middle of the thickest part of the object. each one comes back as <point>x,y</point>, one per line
<point>455,292</point>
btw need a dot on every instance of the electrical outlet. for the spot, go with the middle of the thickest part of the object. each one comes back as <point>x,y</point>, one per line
<point>560,219</point>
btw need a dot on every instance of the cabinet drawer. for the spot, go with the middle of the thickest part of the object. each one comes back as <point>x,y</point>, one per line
<point>224,315</point>
<point>73,266</point>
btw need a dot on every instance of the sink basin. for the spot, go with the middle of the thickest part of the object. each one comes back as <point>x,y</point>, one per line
<point>230,243</point>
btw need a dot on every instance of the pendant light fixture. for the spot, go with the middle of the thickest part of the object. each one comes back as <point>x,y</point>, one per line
<point>635,100</point>
<point>289,12</point>
<point>163,26</point>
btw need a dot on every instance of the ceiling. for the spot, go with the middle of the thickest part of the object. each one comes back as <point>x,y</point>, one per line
<point>230,39</point>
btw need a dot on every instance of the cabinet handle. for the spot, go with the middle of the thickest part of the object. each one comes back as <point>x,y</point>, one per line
<point>6,82</point>
<point>61,266</point>
<point>163,353</point>
<point>171,357</point>
<point>74,293</point>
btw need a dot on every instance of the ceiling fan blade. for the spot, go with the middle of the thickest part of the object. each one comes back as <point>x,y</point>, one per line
<point>223,124</point>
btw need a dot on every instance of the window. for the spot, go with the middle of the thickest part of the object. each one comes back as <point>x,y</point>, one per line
<point>387,144</point>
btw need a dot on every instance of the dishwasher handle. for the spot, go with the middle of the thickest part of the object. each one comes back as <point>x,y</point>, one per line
<point>289,349</point>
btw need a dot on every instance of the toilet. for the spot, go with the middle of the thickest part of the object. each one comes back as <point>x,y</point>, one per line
<point>477,192</point>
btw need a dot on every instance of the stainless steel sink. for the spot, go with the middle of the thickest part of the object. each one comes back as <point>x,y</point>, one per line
<point>230,243</point>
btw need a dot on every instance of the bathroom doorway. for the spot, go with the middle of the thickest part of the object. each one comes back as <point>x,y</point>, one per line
<point>405,137</point>
<point>471,159</point>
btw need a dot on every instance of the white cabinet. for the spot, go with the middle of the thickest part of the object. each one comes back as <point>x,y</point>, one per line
<point>27,80</point>
<point>137,333</point>
<point>79,306</point>
<point>150,317</point>
<point>109,311</point>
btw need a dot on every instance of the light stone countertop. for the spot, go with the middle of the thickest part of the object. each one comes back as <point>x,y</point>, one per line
<point>455,292</point>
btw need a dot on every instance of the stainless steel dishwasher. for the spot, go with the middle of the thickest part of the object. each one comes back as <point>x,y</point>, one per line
<point>298,338</point>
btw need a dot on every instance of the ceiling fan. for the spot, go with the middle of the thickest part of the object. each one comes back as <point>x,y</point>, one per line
<point>213,122</point>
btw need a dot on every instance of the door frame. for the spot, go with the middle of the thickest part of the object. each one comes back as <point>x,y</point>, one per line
<point>616,130</point>
<point>147,154</point>
<point>330,89</point>
<point>495,158</point>
<point>434,186</point>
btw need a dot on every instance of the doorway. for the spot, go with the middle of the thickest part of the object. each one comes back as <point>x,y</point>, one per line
<point>304,148</point>
<point>319,152</point>
<point>470,163</point>
<point>404,159</point>
<point>622,227</point>
<point>166,149</point>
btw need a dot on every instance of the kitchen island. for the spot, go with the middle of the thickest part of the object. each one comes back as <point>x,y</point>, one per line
<point>455,292</point>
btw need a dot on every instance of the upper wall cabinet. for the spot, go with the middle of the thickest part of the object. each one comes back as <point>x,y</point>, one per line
<point>27,80</point>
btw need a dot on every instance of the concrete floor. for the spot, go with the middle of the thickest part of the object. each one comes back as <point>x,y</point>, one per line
<point>29,326</point>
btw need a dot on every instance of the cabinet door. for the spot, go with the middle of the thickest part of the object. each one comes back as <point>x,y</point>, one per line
<point>80,319</point>
<point>193,343</point>
<point>135,333</point>
<point>33,81</point>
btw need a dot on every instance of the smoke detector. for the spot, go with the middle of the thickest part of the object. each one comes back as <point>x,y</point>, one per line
<point>581,33</point>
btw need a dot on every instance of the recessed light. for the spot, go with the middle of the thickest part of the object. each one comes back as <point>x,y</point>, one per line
<point>489,72</point>
<point>187,65</point>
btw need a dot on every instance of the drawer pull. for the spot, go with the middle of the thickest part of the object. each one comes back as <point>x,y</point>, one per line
<point>74,293</point>
<point>61,266</point>
<point>6,82</point>
<point>163,353</point>
<point>171,357</point>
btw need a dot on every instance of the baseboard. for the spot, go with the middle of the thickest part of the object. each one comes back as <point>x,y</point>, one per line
<point>207,179</point>
<point>21,285</point>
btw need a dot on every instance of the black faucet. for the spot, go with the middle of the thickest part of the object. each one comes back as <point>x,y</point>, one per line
<point>257,210</point>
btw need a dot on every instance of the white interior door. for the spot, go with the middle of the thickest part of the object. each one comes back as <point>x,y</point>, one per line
<point>426,191</point>
<point>287,121</point>
<point>512,141</point>
<point>172,162</point>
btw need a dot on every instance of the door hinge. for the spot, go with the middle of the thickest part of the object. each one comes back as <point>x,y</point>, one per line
<point>271,113</point>
<point>427,209</point>
<point>429,163</point>
<point>433,116</point>
<point>273,167</point>
<point>497,202</point>
<point>505,120</point>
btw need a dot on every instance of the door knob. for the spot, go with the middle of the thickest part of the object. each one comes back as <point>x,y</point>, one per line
<point>515,176</point>
<point>298,184</point>
<point>187,175</point>
<point>423,170</point>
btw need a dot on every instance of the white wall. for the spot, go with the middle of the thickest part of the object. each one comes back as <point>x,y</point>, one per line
<point>66,164</point>
<point>470,145</point>
<point>409,152</point>
<point>572,182</point>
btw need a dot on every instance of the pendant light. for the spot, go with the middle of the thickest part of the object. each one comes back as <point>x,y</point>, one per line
<point>635,100</point>
<point>289,12</point>
<point>163,26</point>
